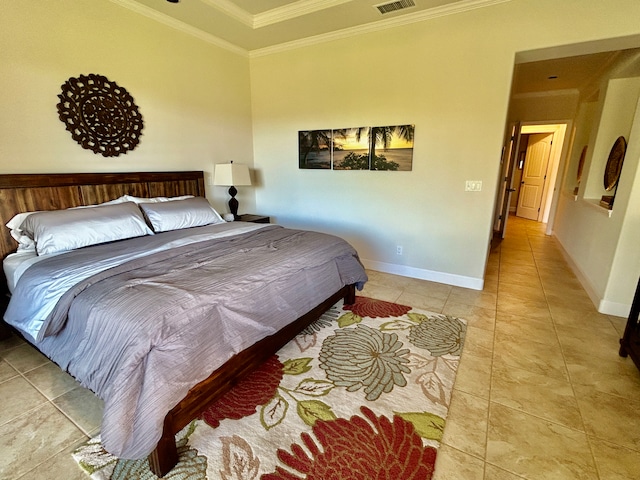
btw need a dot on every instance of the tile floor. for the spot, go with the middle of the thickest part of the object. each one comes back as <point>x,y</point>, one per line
<point>541,392</point>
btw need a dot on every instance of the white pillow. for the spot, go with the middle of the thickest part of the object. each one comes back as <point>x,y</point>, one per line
<point>129,198</point>
<point>175,215</point>
<point>63,230</point>
<point>25,242</point>
<point>110,202</point>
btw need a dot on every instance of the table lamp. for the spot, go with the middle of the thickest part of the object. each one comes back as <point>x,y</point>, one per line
<point>230,175</point>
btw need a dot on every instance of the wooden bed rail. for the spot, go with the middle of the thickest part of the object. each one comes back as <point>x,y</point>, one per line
<point>165,456</point>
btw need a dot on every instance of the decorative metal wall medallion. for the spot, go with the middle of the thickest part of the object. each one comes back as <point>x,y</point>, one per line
<point>100,115</point>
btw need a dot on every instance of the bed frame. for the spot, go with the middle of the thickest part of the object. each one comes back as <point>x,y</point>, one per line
<point>32,192</point>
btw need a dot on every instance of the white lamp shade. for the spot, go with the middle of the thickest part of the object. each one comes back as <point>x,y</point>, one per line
<point>231,174</point>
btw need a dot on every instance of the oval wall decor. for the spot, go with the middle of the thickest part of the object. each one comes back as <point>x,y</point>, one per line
<point>100,115</point>
<point>614,163</point>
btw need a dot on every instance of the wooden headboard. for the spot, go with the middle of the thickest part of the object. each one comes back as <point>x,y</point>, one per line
<point>32,192</point>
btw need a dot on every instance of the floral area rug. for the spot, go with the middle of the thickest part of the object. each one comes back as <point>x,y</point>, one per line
<point>362,393</point>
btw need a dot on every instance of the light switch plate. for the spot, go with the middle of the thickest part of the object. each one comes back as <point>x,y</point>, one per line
<point>473,186</point>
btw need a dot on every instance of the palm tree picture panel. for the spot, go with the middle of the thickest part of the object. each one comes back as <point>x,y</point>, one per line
<point>392,147</point>
<point>351,149</point>
<point>388,148</point>
<point>314,149</point>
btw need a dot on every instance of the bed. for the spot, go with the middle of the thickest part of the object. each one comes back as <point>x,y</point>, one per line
<point>180,317</point>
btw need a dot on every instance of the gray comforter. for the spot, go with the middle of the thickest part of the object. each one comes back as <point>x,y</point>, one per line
<point>141,334</point>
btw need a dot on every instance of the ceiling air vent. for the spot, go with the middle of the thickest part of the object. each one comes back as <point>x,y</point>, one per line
<point>394,6</point>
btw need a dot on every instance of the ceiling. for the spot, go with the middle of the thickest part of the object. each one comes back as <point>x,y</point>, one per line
<point>258,24</point>
<point>264,26</point>
<point>568,73</point>
<point>577,73</point>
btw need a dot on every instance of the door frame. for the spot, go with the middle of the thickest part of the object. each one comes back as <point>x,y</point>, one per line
<point>560,150</point>
<point>505,182</point>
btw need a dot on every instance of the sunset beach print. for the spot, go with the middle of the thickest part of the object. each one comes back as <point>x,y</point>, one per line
<point>388,148</point>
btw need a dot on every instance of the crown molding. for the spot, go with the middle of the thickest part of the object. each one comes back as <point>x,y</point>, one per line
<point>297,9</point>
<point>275,15</point>
<point>547,93</point>
<point>180,26</point>
<point>293,10</point>
<point>232,10</point>
<point>407,19</point>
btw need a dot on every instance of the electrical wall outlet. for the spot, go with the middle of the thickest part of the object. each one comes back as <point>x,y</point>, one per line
<point>399,249</point>
<point>473,186</point>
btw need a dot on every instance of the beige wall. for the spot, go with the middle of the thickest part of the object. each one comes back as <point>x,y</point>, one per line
<point>549,107</point>
<point>585,120</point>
<point>626,263</point>
<point>617,112</point>
<point>450,77</point>
<point>193,96</point>
<point>603,245</point>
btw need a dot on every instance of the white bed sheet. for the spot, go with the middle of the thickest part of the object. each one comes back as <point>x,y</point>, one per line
<point>15,264</point>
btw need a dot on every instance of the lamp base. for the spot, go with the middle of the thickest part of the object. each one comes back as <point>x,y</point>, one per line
<point>233,203</point>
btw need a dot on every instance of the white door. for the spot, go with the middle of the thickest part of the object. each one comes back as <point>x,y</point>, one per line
<point>534,175</point>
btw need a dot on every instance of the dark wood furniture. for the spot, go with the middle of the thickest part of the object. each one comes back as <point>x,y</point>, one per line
<point>5,330</point>
<point>32,192</point>
<point>630,341</point>
<point>254,218</point>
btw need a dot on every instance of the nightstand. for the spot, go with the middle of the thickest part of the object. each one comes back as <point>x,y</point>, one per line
<point>5,330</point>
<point>254,218</point>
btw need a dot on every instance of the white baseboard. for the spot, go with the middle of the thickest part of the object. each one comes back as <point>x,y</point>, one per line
<point>404,271</point>
<point>614,308</point>
<point>603,306</point>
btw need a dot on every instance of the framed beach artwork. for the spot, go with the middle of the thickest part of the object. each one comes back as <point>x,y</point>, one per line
<point>351,149</point>
<point>392,148</point>
<point>314,149</point>
<point>388,148</point>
